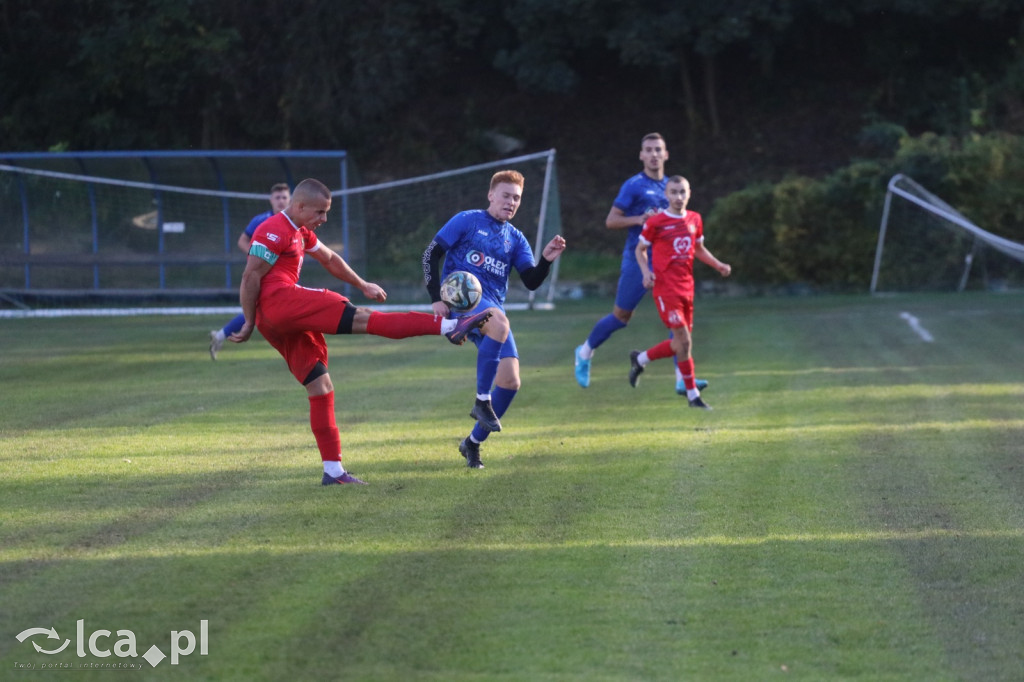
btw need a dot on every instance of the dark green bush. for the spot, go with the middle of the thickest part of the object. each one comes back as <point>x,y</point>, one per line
<point>823,232</point>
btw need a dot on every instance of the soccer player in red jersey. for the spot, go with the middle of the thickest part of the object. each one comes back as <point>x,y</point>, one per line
<point>294,319</point>
<point>675,236</point>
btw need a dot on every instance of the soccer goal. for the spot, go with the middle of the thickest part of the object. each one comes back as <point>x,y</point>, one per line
<point>88,227</point>
<point>391,223</point>
<point>926,244</point>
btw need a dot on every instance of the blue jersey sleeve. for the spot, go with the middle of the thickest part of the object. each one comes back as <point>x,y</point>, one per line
<point>638,195</point>
<point>255,222</point>
<point>641,193</point>
<point>522,258</point>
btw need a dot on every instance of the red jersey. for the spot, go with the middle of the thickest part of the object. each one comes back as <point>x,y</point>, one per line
<point>282,244</point>
<point>672,240</point>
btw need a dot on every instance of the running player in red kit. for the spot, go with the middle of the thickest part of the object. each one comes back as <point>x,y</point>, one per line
<point>294,319</point>
<point>675,236</point>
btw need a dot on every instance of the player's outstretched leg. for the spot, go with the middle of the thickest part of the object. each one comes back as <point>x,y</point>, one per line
<point>635,368</point>
<point>582,365</point>
<point>216,343</point>
<point>217,336</point>
<point>604,328</point>
<point>464,325</point>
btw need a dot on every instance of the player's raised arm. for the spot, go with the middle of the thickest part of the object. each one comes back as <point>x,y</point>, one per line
<point>339,268</point>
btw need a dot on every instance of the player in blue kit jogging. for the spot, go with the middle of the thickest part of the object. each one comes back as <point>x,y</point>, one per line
<point>486,244</point>
<point>280,195</point>
<point>640,197</point>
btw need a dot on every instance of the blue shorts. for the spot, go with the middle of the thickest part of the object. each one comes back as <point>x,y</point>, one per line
<point>508,349</point>
<point>631,284</point>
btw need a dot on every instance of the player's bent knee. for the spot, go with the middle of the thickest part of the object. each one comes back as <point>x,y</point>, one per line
<point>318,371</point>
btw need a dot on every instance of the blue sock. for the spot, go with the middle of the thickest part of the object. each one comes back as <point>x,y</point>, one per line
<point>487,364</point>
<point>605,327</point>
<point>501,398</point>
<point>234,325</point>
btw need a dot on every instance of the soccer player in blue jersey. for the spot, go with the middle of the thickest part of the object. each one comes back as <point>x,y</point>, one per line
<point>640,196</point>
<point>280,195</point>
<point>486,244</point>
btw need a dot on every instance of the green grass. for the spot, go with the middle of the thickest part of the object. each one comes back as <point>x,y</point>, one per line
<point>853,508</point>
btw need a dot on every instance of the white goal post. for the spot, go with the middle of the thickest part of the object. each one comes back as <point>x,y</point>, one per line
<point>92,227</point>
<point>906,189</point>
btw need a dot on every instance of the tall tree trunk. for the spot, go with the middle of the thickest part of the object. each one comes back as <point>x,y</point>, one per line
<point>710,90</point>
<point>689,104</point>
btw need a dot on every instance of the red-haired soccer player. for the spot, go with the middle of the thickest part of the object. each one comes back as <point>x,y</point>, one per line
<point>294,318</point>
<point>675,236</point>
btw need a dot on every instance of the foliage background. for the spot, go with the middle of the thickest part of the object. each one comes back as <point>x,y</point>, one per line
<point>811,102</point>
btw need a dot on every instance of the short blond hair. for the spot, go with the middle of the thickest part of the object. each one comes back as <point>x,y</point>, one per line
<point>511,176</point>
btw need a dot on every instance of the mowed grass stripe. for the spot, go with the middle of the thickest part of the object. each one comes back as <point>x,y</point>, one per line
<point>615,534</point>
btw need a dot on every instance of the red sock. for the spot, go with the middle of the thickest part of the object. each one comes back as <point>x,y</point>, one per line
<point>403,325</point>
<point>686,367</point>
<point>662,350</point>
<point>325,429</point>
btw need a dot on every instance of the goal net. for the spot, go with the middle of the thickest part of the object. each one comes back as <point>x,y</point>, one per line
<point>924,244</point>
<point>93,228</point>
<point>391,223</point>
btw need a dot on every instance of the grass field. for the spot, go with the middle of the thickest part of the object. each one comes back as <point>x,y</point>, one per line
<point>853,507</point>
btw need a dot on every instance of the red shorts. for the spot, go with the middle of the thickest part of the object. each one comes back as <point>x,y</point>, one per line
<point>675,311</point>
<point>294,321</point>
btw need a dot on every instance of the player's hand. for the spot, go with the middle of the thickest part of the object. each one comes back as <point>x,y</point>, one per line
<point>554,248</point>
<point>648,280</point>
<point>374,292</point>
<point>440,308</point>
<point>243,334</point>
<point>725,270</point>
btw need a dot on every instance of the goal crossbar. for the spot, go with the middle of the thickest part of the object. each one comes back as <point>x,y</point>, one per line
<point>906,188</point>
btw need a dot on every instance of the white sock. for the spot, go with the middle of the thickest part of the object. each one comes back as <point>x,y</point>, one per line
<point>483,396</point>
<point>692,393</point>
<point>642,359</point>
<point>586,352</point>
<point>333,468</point>
<point>679,375</point>
<point>448,325</point>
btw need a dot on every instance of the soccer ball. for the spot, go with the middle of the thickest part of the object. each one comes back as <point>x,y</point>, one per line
<point>461,291</point>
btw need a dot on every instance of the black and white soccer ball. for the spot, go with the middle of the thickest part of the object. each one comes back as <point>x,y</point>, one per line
<point>461,291</point>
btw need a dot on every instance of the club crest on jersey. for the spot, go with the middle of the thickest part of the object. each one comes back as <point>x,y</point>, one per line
<point>682,244</point>
<point>487,263</point>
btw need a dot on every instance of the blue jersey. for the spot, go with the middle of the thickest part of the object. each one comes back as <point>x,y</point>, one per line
<point>475,242</point>
<point>255,222</point>
<point>638,195</point>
